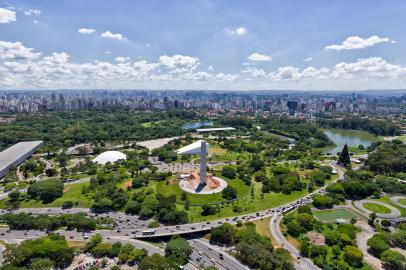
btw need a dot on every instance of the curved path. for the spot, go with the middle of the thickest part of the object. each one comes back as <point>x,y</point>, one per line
<point>301,263</point>
<point>362,238</point>
<point>393,214</point>
<point>395,200</point>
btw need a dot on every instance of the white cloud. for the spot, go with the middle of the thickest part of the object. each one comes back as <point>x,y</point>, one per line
<point>368,68</point>
<point>227,77</point>
<point>7,16</point>
<point>86,31</point>
<point>116,36</point>
<point>308,59</point>
<point>23,68</point>
<point>32,12</point>
<point>255,72</point>
<point>15,50</point>
<point>256,57</point>
<point>121,59</point>
<point>210,68</point>
<point>240,31</point>
<point>356,42</point>
<point>285,73</point>
<point>179,61</point>
<point>107,52</point>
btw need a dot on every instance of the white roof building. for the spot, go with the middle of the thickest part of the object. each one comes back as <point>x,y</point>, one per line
<point>192,149</point>
<point>109,156</point>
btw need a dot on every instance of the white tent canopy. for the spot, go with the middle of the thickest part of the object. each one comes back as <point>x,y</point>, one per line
<point>109,156</point>
<point>192,149</point>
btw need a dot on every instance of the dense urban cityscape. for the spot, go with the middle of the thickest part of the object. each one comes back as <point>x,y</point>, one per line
<point>306,103</point>
<point>202,135</point>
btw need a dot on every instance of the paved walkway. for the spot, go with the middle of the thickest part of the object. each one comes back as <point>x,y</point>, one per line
<point>395,200</point>
<point>393,214</point>
<point>362,238</point>
<point>301,263</point>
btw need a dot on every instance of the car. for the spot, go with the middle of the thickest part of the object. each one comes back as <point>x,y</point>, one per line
<point>2,233</point>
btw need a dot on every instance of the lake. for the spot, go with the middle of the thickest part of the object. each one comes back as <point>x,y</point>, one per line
<point>198,124</point>
<point>353,138</point>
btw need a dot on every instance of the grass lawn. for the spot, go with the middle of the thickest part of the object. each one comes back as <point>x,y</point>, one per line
<point>262,228</point>
<point>248,204</point>
<point>169,189</point>
<point>377,208</point>
<point>386,200</point>
<point>402,201</point>
<point>73,192</point>
<point>332,215</point>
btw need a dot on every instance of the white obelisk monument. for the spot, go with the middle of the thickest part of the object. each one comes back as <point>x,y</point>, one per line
<point>198,148</point>
<point>203,163</point>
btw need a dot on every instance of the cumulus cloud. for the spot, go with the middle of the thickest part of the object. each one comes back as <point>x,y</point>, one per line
<point>23,68</point>
<point>356,42</point>
<point>227,77</point>
<point>32,12</point>
<point>7,15</point>
<point>15,50</point>
<point>86,31</point>
<point>116,36</point>
<point>255,72</point>
<point>179,62</point>
<point>121,59</point>
<point>240,31</point>
<point>256,57</point>
<point>372,68</point>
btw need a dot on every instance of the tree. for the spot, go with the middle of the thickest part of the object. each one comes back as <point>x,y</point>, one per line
<point>14,195</point>
<point>229,172</point>
<point>393,260</point>
<point>46,190</point>
<point>399,239</point>
<point>322,201</point>
<point>353,256</point>
<point>41,264</point>
<point>179,248</point>
<point>229,193</point>
<point>385,223</point>
<point>133,207</point>
<point>371,220</point>
<point>344,157</point>
<point>136,256</point>
<point>223,234</point>
<point>208,210</point>
<point>377,244</point>
<point>157,262</point>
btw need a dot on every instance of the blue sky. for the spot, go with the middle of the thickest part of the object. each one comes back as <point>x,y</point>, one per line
<point>203,44</point>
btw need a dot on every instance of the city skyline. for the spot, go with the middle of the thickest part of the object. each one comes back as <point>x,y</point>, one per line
<point>202,45</point>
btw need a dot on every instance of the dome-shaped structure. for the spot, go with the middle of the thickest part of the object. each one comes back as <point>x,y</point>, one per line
<point>109,156</point>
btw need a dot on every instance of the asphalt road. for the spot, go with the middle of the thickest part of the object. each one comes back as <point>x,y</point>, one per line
<point>301,262</point>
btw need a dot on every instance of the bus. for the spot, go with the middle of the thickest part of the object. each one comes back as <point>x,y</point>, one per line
<point>148,232</point>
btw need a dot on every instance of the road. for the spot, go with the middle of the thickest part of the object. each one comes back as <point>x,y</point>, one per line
<point>274,225</point>
<point>301,263</point>
<point>14,236</point>
<point>208,255</point>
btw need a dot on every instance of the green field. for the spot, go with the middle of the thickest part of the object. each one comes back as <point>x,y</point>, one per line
<point>73,192</point>
<point>377,208</point>
<point>402,201</point>
<point>332,215</point>
<point>387,200</point>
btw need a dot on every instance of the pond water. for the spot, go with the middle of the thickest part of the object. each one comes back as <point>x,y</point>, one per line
<point>197,124</point>
<point>353,138</point>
